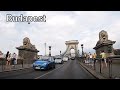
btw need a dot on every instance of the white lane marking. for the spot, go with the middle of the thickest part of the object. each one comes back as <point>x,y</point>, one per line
<point>49,72</point>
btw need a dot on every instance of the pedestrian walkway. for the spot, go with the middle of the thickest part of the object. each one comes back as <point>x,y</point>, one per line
<point>4,68</point>
<point>113,73</point>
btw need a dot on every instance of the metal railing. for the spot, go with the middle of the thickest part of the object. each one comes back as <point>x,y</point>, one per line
<point>112,71</point>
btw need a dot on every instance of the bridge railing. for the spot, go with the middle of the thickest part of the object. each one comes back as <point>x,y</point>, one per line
<point>111,71</point>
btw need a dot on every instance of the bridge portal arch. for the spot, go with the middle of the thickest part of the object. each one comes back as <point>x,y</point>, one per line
<point>72,44</point>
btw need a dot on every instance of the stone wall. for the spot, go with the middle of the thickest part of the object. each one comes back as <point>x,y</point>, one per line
<point>27,56</point>
<point>23,61</point>
<point>106,49</point>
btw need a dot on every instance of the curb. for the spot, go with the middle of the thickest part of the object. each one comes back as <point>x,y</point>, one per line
<point>15,69</point>
<point>95,74</point>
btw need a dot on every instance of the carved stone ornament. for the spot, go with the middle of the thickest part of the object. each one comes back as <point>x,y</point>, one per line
<point>103,36</point>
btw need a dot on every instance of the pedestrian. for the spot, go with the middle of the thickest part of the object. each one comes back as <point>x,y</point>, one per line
<point>9,58</point>
<point>103,55</point>
<point>6,57</point>
<point>14,59</point>
<point>94,56</point>
<point>86,58</point>
<point>85,61</point>
<point>91,59</point>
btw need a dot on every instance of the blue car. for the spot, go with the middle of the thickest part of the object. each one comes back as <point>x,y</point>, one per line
<point>44,64</point>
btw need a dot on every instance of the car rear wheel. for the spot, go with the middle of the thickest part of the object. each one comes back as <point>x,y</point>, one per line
<point>54,66</point>
<point>48,67</point>
<point>37,69</point>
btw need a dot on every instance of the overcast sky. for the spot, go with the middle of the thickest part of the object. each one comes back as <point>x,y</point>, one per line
<point>60,26</point>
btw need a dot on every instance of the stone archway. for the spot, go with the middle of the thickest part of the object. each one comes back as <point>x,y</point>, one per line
<point>72,44</point>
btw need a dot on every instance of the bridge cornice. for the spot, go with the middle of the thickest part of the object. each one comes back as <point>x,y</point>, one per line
<point>72,42</point>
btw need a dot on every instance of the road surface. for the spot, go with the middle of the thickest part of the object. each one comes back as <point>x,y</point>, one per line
<point>68,70</point>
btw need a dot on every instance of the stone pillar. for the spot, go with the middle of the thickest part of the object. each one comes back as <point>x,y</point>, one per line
<point>27,53</point>
<point>104,44</point>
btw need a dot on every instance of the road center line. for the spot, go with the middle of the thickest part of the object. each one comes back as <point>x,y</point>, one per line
<point>49,72</point>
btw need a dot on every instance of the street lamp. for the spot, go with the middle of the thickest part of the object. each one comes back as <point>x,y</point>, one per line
<point>82,49</point>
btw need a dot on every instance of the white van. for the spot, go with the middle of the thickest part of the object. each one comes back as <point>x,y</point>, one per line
<point>65,59</point>
<point>72,56</point>
<point>58,60</point>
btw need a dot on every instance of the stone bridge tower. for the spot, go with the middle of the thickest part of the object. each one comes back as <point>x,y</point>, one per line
<point>72,44</point>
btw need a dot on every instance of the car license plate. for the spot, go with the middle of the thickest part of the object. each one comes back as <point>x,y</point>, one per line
<point>41,68</point>
<point>37,67</point>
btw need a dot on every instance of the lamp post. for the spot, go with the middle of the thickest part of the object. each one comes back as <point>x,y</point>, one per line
<point>60,52</point>
<point>45,49</point>
<point>82,49</point>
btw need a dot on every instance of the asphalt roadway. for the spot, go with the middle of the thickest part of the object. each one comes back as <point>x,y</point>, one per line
<point>69,70</point>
